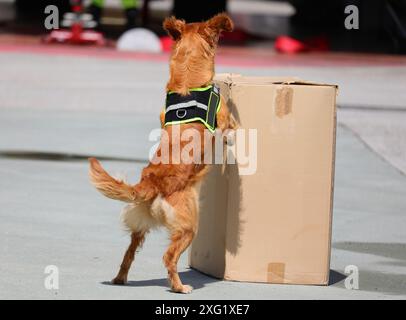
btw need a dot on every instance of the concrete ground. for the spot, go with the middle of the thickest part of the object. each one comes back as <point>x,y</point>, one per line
<point>56,109</point>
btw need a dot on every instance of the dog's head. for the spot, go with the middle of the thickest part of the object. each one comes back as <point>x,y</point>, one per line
<point>192,59</point>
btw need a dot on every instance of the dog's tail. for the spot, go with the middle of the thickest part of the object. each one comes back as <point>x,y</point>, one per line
<point>109,186</point>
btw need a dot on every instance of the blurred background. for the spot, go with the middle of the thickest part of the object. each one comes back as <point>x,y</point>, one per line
<point>318,25</point>
<point>95,86</point>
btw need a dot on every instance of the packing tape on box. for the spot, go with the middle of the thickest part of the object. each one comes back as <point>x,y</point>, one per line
<point>276,272</point>
<point>283,101</point>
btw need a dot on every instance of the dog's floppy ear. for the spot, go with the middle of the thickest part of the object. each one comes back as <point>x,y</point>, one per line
<point>221,22</point>
<point>174,27</point>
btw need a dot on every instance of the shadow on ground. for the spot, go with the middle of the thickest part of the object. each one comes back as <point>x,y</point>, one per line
<point>336,277</point>
<point>191,277</point>
<point>377,281</point>
<point>198,280</point>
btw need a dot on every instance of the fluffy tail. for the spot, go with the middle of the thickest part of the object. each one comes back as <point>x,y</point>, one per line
<point>110,187</point>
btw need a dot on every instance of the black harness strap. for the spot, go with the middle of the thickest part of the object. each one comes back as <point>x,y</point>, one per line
<point>202,104</point>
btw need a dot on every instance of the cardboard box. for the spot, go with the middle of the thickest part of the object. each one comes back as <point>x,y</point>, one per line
<point>273,225</point>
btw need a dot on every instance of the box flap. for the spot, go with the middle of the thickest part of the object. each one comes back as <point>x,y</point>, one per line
<point>233,78</point>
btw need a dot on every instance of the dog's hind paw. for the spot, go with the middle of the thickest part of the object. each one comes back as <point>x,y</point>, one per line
<point>119,281</point>
<point>183,289</point>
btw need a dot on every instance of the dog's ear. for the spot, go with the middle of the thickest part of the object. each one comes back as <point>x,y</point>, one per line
<point>220,22</point>
<point>174,27</point>
<point>212,29</point>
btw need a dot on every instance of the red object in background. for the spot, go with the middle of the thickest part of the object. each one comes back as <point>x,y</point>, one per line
<point>237,37</point>
<point>318,44</point>
<point>166,43</point>
<point>77,34</point>
<point>285,44</point>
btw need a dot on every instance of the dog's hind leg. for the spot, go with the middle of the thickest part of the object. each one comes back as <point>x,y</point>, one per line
<point>180,241</point>
<point>137,239</point>
<point>182,224</point>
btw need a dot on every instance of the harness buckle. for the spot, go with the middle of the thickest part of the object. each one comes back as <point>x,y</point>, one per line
<point>179,113</point>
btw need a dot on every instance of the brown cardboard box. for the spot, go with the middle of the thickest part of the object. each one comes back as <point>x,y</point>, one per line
<point>274,225</point>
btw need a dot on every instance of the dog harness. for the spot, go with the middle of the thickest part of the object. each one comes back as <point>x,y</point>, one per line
<point>202,104</point>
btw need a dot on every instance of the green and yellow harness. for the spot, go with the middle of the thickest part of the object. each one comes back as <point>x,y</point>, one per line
<point>202,104</point>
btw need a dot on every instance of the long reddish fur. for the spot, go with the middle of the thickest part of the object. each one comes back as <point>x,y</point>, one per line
<point>191,66</point>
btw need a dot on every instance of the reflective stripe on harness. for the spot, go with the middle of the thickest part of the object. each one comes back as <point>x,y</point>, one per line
<point>186,105</point>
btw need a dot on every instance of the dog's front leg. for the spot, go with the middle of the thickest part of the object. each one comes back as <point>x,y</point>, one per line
<point>162,118</point>
<point>137,239</point>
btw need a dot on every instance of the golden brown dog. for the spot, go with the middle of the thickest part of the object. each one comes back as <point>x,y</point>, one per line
<point>167,193</point>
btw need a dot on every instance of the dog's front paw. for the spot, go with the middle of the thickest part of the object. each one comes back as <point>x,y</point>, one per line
<point>230,138</point>
<point>183,289</point>
<point>119,281</point>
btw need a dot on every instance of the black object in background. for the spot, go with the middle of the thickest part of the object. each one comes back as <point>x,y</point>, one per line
<point>197,11</point>
<point>395,23</point>
<point>34,9</point>
<point>382,24</point>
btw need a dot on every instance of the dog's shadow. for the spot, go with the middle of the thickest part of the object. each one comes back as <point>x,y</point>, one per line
<point>192,277</point>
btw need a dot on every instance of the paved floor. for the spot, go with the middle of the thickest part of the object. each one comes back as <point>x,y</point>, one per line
<point>68,104</point>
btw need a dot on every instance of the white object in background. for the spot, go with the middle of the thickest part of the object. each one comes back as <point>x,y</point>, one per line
<point>139,39</point>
